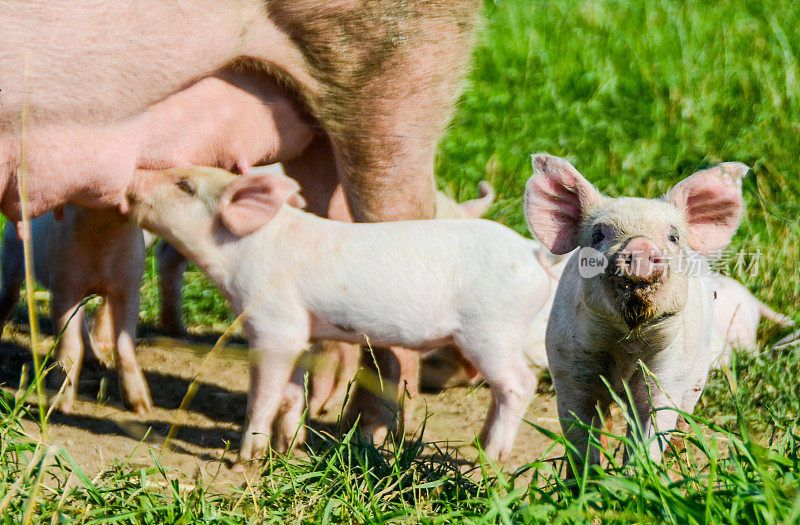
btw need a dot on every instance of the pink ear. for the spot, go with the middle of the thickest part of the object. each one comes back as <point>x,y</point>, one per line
<point>251,201</point>
<point>712,202</point>
<point>556,200</point>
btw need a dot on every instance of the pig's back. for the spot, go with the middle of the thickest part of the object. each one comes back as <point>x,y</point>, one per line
<point>422,272</point>
<point>461,251</point>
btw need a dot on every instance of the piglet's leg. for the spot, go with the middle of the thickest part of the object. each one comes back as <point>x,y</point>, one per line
<point>512,387</point>
<point>578,404</point>
<point>375,402</point>
<point>654,407</point>
<point>69,352</point>
<point>288,429</point>
<point>124,312</point>
<point>503,365</point>
<point>171,265</point>
<point>408,394</point>
<point>325,363</point>
<point>270,371</point>
<point>102,340</point>
<point>334,365</point>
<point>691,396</point>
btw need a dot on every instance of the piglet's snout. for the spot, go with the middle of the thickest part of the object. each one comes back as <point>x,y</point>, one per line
<point>641,260</point>
<point>140,185</point>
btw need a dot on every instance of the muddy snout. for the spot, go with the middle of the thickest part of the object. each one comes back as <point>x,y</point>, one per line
<point>641,260</point>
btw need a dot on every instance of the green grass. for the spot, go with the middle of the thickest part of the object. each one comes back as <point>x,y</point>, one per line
<point>637,95</point>
<point>725,477</point>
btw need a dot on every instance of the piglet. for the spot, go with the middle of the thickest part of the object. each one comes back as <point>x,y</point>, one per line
<point>336,363</point>
<point>737,313</point>
<point>443,368</point>
<point>639,291</point>
<point>86,252</point>
<point>298,277</point>
<point>171,264</point>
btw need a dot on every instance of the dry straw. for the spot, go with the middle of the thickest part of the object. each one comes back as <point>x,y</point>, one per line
<point>24,233</point>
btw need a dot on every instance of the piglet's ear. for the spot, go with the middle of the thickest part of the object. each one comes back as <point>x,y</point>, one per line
<point>557,198</point>
<point>251,201</point>
<point>712,202</point>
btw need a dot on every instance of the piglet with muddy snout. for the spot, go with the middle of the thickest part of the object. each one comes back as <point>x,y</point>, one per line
<point>639,289</point>
<point>416,284</point>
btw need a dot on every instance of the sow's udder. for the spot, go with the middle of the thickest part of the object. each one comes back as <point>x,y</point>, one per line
<point>77,165</point>
<point>231,120</point>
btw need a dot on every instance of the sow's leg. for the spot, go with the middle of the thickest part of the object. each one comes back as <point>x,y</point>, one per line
<point>385,110</point>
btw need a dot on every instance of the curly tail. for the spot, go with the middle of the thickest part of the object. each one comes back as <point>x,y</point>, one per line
<point>477,208</point>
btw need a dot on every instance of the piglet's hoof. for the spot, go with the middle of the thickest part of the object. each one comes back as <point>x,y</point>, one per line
<point>64,397</point>
<point>66,403</point>
<point>241,465</point>
<point>174,329</point>
<point>254,446</point>
<point>102,355</point>
<point>375,432</point>
<point>287,437</point>
<point>135,393</point>
<point>237,467</point>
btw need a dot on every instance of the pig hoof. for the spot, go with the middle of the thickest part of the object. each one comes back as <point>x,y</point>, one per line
<point>493,450</point>
<point>237,467</point>
<point>66,406</point>
<point>65,394</point>
<point>316,406</point>
<point>105,356</point>
<point>173,327</point>
<point>141,404</point>
<point>142,408</point>
<point>375,432</point>
<point>136,395</point>
<point>96,364</point>
<point>66,402</point>
<point>287,439</point>
<point>254,446</point>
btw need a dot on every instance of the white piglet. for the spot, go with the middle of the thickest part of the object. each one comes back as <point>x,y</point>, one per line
<point>416,284</point>
<point>85,252</point>
<point>736,316</point>
<point>638,290</point>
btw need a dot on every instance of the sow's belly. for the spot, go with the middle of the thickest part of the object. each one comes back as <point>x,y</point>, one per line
<point>98,61</point>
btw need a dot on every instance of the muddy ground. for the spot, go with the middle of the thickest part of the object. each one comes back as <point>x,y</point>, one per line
<point>98,432</point>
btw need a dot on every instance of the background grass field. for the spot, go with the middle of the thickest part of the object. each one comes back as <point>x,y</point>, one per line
<point>637,95</point>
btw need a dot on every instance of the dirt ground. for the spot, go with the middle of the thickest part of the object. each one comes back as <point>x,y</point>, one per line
<point>98,432</point>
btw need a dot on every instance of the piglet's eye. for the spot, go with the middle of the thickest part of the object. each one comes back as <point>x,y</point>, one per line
<point>674,237</point>
<point>186,186</point>
<point>597,236</point>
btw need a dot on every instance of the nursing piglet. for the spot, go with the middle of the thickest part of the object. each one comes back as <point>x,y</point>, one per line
<point>298,277</point>
<point>638,290</point>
